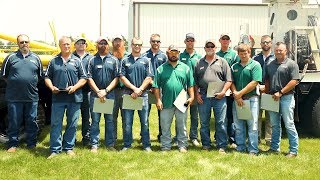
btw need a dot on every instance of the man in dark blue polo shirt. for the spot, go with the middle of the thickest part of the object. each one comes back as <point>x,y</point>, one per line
<point>156,58</point>
<point>80,45</point>
<point>136,74</point>
<point>22,71</point>
<point>65,76</point>
<point>102,78</point>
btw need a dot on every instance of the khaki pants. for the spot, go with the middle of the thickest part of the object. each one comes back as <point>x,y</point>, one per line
<point>268,128</point>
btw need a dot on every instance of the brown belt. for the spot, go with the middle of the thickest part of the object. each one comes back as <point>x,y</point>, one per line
<point>248,97</point>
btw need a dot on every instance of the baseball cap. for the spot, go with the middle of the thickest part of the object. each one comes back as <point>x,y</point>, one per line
<point>118,36</point>
<point>173,48</point>
<point>210,41</point>
<point>224,34</point>
<point>190,35</point>
<point>79,38</point>
<point>102,38</point>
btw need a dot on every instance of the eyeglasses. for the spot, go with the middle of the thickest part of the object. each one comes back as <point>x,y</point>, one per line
<point>80,43</point>
<point>155,41</point>
<point>136,44</point>
<point>103,43</point>
<point>190,40</point>
<point>265,42</point>
<point>213,46</point>
<point>225,38</point>
<point>23,42</point>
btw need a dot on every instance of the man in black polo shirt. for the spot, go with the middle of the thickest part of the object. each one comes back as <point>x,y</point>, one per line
<point>64,77</point>
<point>22,71</point>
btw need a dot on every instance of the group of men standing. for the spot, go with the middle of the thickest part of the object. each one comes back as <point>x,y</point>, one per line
<point>77,78</point>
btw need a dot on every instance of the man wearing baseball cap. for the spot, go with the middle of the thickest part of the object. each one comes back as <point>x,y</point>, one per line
<point>231,56</point>
<point>172,77</point>
<point>190,57</point>
<point>212,68</point>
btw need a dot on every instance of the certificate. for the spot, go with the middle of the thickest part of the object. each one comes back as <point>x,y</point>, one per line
<point>214,88</point>
<point>244,112</point>
<point>268,103</point>
<point>181,100</point>
<point>103,107</point>
<point>130,103</point>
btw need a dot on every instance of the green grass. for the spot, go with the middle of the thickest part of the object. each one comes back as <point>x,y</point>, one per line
<point>137,164</point>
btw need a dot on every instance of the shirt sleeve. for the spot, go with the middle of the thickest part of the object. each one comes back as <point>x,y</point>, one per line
<point>295,71</point>
<point>49,71</point>
<point>156,82</point>
<point>81,71</point>
<point>190,79</point>
<point>256,72</point>
<point>149,72</point>
<point>5,67</point>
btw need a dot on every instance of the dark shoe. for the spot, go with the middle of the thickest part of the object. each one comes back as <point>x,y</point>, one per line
<point>271,151</point>
<point>206,148</point>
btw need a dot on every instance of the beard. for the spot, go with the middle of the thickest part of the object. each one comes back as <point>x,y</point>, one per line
<point>118,52</point>
<point>173,59</point>
<point>265,48</point>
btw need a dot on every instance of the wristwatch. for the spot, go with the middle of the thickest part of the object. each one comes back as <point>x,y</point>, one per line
<point>107,91</point>
<point>280,92</point>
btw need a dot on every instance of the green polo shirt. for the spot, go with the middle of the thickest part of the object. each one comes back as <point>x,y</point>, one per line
<point>191,61</point>
<point>172,80</point>
<point>229,55</point>
<point>243,75</point>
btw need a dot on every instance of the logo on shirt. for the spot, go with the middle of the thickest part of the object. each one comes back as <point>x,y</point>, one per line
<point>128,64</point>
<point>160,58</point>
<point>183,59</point>
<point>141,62</point>
<point>99,66</point>
<point>201,67</point>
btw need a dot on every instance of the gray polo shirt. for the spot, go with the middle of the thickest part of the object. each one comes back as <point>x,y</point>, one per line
<point>22,74</point>
<point>66,74</point>
<point>218,70</point>
<point>279,74</point>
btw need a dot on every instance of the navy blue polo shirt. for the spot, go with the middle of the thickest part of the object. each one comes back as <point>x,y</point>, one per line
<point>85,62</point>
<point>22,74</point>
<point>103,71</point>
<point>156,60</point>
<point>136,70</point>
<point>263,63</point>
<point>66,74</point>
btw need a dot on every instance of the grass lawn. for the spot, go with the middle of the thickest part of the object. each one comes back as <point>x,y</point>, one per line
<point>138,164</point>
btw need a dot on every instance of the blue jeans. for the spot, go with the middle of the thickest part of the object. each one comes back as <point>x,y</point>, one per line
<point>287,104</point>
<point>220,109</point>
<point>166,116</point>
<point>95,128</point>
<point>72,112</point>
<point>144,121</point>
<point>85,117</point>
<point>194,122</point>
<point>118,92</point>
<point>230,123</point>
<point>241,128</point>
<point>17,112</point>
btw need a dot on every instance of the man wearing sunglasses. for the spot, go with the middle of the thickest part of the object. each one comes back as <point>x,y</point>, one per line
<point>212,68</point>
<point>264,57</point>
<point>136,74</point>
<point>190,57</point>
<point>172,77</point>
<point>231,56</point>
<point>80,45</point>
<point>156,57</point>
<point>22,71</point>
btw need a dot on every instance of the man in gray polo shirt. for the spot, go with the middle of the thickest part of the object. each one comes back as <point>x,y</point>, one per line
<point>281,76</point>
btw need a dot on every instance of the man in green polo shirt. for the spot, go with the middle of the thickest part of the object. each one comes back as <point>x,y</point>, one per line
<point>190,58</point>
<point>246,76</point>
<point>172,77</point>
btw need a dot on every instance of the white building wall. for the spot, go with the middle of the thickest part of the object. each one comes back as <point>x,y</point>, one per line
<point>173,21</point>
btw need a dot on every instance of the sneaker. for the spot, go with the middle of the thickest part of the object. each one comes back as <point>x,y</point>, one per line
<point>206,148</point>
<point>183,150</point>
<point>111,148</point>
<point>253,154</point>
<point>291,155</point>
<point>233,145</point>
<point>12,150</point>
<point>222,151</point>
<point>195,142</point>
<point>94,150</point>
<point>124,149</point>
<point>71,153</point>
<point>52,155</point>
<point>148,149</point>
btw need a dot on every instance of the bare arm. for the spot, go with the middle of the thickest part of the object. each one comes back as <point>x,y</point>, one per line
<point>159,102</point>
<point>49,84</point>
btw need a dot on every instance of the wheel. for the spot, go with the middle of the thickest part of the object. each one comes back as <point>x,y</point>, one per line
<point>315,117</point>
<point>309,112</point>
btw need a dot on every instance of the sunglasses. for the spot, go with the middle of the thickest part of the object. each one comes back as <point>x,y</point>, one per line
<point>102,43</point>
<point>213,46</point>
<point>265,42</point>
<point>23,42</point>
<point>155,41</point>
<point>225,38</point>
<point>190,40</point>
<point>136,44</point>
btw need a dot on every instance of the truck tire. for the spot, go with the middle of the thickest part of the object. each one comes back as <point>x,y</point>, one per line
<point>315,116</point>
<point>40,120</point>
